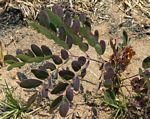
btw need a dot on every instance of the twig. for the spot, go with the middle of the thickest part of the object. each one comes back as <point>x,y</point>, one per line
<point>89,82</point>
<point>129,77</point>
<point>34,111</point>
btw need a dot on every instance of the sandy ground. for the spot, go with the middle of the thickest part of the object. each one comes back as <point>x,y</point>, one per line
<point>22,37</point>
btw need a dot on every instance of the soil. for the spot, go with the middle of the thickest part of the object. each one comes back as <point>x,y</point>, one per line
<point>109,20</point>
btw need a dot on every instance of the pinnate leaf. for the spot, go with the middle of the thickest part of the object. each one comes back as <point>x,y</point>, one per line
<point>146,63</point>
<point>66,74</point>
<point>37,50</point>
<point>56,103</point>
<point>19,51</point>
<point>43,18</point>
<point>69,41</point>
<point>46,51</point>
<point>58,10</point>
<point>76,65</point>
<point>84,47</point>
<point>76,83</point>
<point>64,54</point>
<point>48,33</point>
<point>10,59</point>
<point>30,83</point>
<point>28,52</point>
<point>14,65</point>
<point>103,46</point>
<point>98,49</point>
<point>83,72</point>
<point>96,35</point>
<point>57,60</point>
<point>82,60</point>
<point>76,26</point>
<point>69,93</point>
<point>21,76</point>
<point>41,74</point>
<point>31,99</point>
<point>67,18</point>
<point>62,33</point>
<point>64,108</point>
<point>48,65</point>
<point>125,38</point>
<point>59,88</point>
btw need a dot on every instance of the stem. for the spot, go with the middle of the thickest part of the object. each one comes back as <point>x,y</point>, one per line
<point>87,58</point>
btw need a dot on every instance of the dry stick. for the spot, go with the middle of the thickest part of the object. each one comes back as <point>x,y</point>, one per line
<point>37,109</point>
<point>129,77</point>
<point>131,7</point>
<point>89,82</point>
<point>71,5</point>
<point>144,11</point>
<point>147,5</point>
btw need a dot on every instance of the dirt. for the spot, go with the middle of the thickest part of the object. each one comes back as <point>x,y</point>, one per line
<point>110,24</point>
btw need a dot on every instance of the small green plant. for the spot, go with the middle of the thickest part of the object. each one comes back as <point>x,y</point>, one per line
<point>65,82</point>
<point>11,107</point>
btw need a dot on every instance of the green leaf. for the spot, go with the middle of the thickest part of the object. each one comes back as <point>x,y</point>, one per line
<point>146,63</point>
<point>83,32</point>
<point>98,49</point>
<point>28,59</point>
<point>49,34</point>
<point>56,103</point>
<point>14,65</point>
<point>44,19</point>
<point>125,38</point>
<point>84,47</point>
<point>30,83</point>
<point>24,58</point>
<point>10,59</point>
<point>37,59</point>
<point>38,73</point>
<point>109,99</point>
<point>140,72</point>
<point>57,21</point>
<point>59,88</point>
